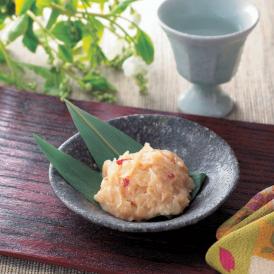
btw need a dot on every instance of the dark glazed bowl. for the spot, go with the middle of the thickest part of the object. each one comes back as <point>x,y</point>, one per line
<point>201,149</point>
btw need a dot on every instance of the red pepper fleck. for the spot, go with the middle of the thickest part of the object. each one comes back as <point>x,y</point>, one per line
<point>132,203</point>
<point>171,175</point>
<point>120,161</point>
<point>125,182</point>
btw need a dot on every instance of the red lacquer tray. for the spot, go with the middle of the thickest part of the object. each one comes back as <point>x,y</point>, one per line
<point>34,224</point>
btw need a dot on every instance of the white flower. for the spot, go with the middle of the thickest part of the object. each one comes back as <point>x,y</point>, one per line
<point>134,66</point>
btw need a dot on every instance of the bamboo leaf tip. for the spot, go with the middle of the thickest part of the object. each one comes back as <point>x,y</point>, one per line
<point>36,136</point>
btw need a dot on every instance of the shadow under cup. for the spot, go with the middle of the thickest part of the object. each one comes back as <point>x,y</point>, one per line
<point>207,38</point>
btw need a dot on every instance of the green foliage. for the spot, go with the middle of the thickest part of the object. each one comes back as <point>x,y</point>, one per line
<point>71,36</point>
<point>98,82</point>
<point>65,54</point>
<point>40,4</point>
<point>20,27</point>
<point>23,5</point>
<point>122,6</point>
<point>198,179</point>
<point>103,140</point>
<point>69,32</point>
<point>144,46</point>
<point>55,80</point>
<point>7,8</point>
<point>2,58</point>
<point>30,40</point>
<point>52,19</point>
<point>84,179</point>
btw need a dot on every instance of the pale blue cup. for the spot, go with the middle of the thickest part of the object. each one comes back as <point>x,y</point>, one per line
<point>207,38</point>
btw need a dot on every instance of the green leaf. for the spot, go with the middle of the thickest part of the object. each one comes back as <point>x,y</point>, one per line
<point>2,20</point>
<point>86,44</point>
<point>30,40</point>
<point>19,28</point>
<point>68,32</point>
<point>97,27</point>
<point>41,71</point>
<point>2,57</point>
<point>98,83</point>
<point>71,5</point>
<point>7,8</point>
<point>40,4</point>
<point>77,174</point>
<point>52,18</point>
<point>55,82</point>
<point>144,47</point>
<point>21,6</point>
<point>65,53</point>
<point>6,78</point>
<point>198,179</point>
<point>104,97</point>
<point>121,7</point>
<point>103,140</point>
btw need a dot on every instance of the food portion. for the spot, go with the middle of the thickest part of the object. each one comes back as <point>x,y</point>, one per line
<point>145,184</point>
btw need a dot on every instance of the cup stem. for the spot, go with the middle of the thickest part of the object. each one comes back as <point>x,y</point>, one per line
<point>206,100</point>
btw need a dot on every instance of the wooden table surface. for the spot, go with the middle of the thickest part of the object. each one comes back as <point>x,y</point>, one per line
<point>252,88</point>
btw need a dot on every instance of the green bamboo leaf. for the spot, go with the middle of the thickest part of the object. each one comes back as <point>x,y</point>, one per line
<point>198,179</point>
<point>144,47</point>
<point>77,174</point>
<point>103,140</point>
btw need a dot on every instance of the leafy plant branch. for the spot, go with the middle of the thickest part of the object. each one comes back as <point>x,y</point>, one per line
<point>71,34</point>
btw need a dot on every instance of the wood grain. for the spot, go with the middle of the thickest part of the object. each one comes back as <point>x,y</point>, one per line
<point>252,88</point>
<point>34,224</point>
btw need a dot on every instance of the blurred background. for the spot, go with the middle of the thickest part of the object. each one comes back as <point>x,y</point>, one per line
<point>251,88</point>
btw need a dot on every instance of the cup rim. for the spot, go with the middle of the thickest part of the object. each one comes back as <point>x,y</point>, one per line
<point>235,34</point>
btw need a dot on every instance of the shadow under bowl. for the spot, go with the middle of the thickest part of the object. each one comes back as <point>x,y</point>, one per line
<point>200,148</point>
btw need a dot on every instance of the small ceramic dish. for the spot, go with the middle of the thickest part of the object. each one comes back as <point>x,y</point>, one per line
<point>200,148</point>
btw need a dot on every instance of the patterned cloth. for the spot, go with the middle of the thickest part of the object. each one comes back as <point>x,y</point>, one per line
<point>246,241</point>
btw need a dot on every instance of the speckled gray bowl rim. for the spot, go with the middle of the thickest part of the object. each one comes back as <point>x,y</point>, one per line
<point>112,222</point>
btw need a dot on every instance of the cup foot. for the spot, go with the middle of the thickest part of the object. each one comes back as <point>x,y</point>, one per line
<point>206,101</point>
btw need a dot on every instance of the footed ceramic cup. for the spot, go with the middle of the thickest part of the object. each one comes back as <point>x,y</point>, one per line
<point>207,38</point>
